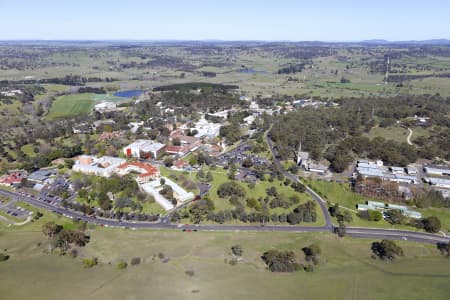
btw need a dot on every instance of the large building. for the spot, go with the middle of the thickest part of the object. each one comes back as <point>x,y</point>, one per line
<point>206,129</point>
<point>104,166</point>
<point>144,149</point>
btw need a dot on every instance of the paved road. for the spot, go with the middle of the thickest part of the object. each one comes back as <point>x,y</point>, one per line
<point>322,203</point>
<point>165,224</point>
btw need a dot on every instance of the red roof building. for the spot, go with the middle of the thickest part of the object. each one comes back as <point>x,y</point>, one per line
<point>147,172</point>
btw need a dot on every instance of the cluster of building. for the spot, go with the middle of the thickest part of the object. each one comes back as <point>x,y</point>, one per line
<point>370,169</point>
<point>373,205</point>
<point>147,178</point>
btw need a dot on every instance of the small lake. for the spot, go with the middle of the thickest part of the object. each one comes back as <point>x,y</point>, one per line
<point>129,93</point>
<point>251,71</point>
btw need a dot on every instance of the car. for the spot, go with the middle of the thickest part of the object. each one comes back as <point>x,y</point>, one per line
<point>404,238</point>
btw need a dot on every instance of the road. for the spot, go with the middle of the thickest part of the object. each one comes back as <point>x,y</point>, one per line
<point>322,203</point>
<point>165,224</point>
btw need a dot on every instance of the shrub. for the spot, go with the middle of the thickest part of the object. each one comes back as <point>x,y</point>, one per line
<point>233,262</point>
<point>90,262</point>
<point>135,261</point>
<point>122,265</point>
<point>237,250</point>
<point>3,257</point>
<point>189,273</point>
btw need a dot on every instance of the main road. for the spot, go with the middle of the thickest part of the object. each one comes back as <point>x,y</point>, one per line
<point>165,224</point>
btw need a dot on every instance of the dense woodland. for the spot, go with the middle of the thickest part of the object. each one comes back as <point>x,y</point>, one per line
<point>337,133</point>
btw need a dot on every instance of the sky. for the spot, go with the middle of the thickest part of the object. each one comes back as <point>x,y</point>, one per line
<point>268,20</point>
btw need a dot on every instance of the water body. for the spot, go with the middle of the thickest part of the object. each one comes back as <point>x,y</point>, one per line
<point>252,71</point>
<point>129,93</point>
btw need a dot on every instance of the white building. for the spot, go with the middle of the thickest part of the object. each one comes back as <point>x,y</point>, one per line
<point>206,129</point>
<point>249,120</point>
<point>104,166</point>
<point>105,106</point>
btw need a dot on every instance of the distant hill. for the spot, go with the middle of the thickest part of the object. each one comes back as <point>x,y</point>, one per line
<point>413,42</point>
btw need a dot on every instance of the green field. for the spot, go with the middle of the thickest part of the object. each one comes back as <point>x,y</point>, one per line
<point>346,270</point>
<point>395,133</point>
<point>71,105</point>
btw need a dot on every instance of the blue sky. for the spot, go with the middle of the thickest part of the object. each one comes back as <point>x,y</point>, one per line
<point>299,20</point>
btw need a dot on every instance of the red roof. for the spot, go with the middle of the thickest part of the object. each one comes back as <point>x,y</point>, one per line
<point>147,170</point>
<point>180,163</point>
<point>173,149</point>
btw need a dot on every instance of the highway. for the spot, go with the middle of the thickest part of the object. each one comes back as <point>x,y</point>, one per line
<point>164,223</point>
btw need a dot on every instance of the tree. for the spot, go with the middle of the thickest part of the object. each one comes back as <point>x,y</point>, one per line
<point>162,181</point>
<point>395,216</point>
<point>168,162</point>
<point>431,224</point>
<point>209,177</point>
<point>386,249</point>
<point>50,229</point>
<point>237,250</point>
<point>247,163</point>
<point>200,174</point>
<point>374,215</point>
<point>176,141</point>
<point>229,189</point>
<point>281,261</point>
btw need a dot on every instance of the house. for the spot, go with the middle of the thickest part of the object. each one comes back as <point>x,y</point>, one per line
<point>144,149</point>
<point>104,166</point>
<point>147,171</point>
<point>316,168</point>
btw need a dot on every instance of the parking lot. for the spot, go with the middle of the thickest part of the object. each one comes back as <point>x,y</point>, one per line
<point>12,209</point>
<point>239,154</point>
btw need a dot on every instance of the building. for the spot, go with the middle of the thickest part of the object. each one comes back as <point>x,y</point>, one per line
<point>13,178</point>
<point>180,165</point>
<point>105,106</point>
<point>437,170</point>
<point>147,172</point>
<point>376,169</point>
<point>206,129</point>
<point>40,176</point>
<point>374,205</point>
<point>104,166</point>
<point>249,120</point>
<point>438,182</point>
<point>145,149</point>
<point>411,170</point>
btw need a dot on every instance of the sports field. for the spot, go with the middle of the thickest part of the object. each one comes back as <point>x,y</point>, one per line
<point>71,105</point>
<point>346,268</point>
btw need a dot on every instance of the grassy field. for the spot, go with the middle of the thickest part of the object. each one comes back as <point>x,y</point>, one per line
<point>395,133</point>
<point>346,270</point>
<point>71,105</point>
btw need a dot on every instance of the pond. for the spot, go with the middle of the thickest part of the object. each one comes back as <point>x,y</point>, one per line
<point>251,71</point>
<point>129,93</point>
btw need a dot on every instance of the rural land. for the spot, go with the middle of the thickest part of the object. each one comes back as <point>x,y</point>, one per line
<point>224,170</point>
